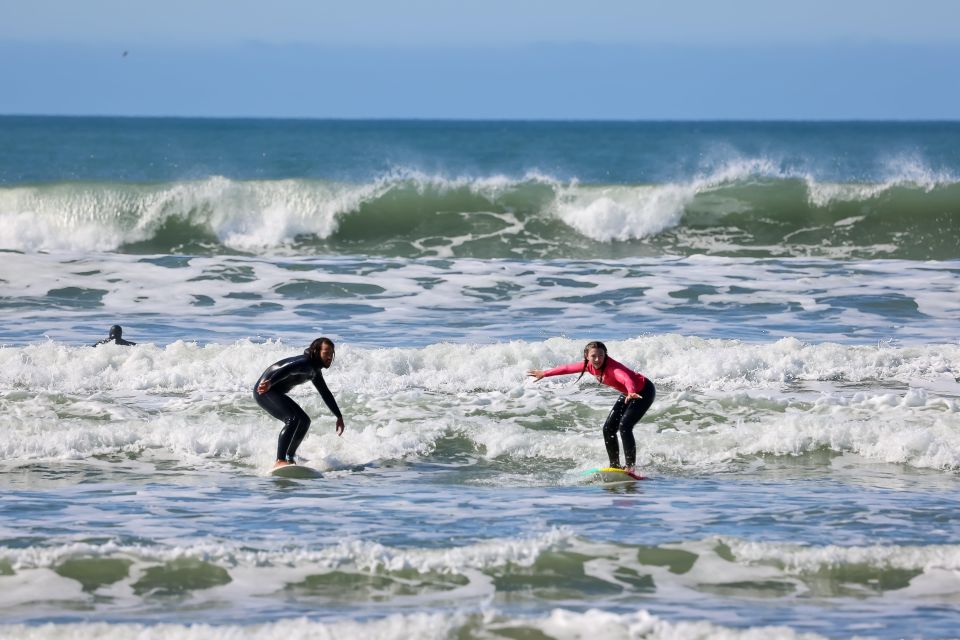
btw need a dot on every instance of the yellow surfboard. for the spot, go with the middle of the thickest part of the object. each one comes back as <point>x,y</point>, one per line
<point>611,474</point>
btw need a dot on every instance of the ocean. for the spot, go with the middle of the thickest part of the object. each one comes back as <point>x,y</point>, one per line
<point>792,288</point>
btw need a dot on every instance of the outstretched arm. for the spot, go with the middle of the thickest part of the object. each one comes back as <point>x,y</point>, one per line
<point>540,374</point>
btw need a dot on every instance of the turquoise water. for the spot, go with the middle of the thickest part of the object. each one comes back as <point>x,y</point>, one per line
<point>792,288</point>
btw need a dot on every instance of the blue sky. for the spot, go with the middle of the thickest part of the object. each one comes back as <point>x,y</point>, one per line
<point>645,59</point>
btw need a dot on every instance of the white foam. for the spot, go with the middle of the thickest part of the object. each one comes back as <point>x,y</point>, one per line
<point>395,627</point>
<point>752,559</point>
<point>622,213</point>
<point>195,402</point>
<point>257,573</point>
<point>362,555</point>
<point>799,559</point>
<point>260,215</point>
<point>568,625</point>
<point>682,362</point>
<point>560,624</point>
<point>899,171</point>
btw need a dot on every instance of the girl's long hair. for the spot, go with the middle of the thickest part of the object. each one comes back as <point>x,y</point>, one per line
<point>596,344</point>
<point>313,351</point>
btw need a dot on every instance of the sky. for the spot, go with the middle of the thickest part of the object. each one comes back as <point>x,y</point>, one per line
<point>495,59</point>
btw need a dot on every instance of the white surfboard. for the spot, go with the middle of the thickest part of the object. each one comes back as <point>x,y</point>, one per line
<point>298,471</point>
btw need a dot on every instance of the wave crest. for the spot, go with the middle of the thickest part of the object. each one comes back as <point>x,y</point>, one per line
<point>748,205</point>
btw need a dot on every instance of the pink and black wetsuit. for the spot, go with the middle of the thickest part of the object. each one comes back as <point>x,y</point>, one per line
<point>624,415</point>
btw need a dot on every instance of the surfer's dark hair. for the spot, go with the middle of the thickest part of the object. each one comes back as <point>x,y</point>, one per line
<point>596,344</point>
<point>313,351</point>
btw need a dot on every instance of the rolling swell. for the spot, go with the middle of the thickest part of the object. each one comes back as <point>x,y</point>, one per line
<point>537,216</point>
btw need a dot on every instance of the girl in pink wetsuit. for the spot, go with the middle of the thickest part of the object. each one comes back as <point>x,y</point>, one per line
<point>636,395</point>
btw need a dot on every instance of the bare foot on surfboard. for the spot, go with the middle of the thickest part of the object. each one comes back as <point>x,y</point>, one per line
<point>281,463</point>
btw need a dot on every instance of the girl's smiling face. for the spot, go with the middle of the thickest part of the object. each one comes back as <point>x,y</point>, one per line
<point>596,357</point>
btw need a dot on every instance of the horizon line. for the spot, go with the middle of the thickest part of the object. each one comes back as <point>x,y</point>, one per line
<point>772,120</point>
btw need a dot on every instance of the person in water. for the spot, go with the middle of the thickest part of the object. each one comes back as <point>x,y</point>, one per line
<point>116,337</point>
<point>274,384</point>
<point>636,395</point>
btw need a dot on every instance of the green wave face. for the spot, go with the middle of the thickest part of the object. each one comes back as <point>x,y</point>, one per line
<point>491,218</point>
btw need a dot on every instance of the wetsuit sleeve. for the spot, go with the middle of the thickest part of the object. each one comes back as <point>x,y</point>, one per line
<point>327,396</point>
<point>564,369</point>
<point>624,376</point>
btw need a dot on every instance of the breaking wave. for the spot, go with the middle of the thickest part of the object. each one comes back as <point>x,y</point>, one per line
<point>744,208</point>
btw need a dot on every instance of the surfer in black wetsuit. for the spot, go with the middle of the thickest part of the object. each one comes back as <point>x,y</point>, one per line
<point>116,333</point>
<point>274,384</point>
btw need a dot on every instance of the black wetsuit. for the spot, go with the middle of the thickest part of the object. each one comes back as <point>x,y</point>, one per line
<point>623,416</point>
<point>116,337</point>
<point>283,376</point>
<point>121,341</point>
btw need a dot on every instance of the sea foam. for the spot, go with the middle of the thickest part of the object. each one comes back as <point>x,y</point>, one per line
<point>718,400</point>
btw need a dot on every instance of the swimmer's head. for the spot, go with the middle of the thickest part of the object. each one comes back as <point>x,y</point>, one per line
<point>116,331</point>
